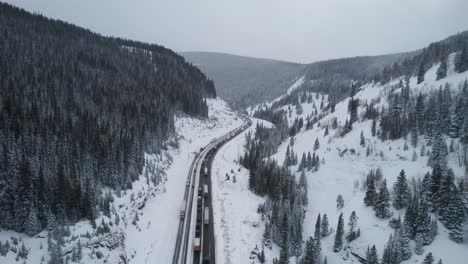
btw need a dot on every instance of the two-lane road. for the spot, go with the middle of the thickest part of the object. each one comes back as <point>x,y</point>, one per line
<point>195,241</point>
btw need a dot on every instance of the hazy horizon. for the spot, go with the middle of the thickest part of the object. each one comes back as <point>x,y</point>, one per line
<point>300,31</point>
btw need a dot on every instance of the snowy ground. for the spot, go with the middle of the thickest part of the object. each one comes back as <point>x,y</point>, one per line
<point>238,227</point>
<point>156,243</point>
<point>237,223</point>
<point>152,238</point>
<point>344,175</point>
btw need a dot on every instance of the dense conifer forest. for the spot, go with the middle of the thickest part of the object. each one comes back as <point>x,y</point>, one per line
<point>77,112</point>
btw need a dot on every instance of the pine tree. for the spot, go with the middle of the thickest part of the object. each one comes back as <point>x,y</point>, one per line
<point>353,116</point>
<point>338,245</point>
<point>368,151</point>
<point>303,163</point>
<point>434,188</point>
<point>303,179</point>
<point>24,210</point>
<point>429,259</point>
<point>433,229</point>
<point>396,248</point>
<point>454,217</point>
<point>409,221</point>
<point>31,225</point>
<point>382,203</point>
<point>261,256</point>
<point>371,194</point>
<point>388,256</point>
<point>339,202</point>
<point>353,227</point>
<point>456,121</point>
<point>284,251</point>
<point>335,123</point>
<point>423,223</point>
<point>372,256</point>
<point>421,72</point>
<point>287,159</point>
<point>439,153</point>
<point>373,127</point>
<point>252,181</point>
<point>401,192</point>
<point>405,244</point>
<point>326,131</point>
<point>309,252</point>
<point>363,141</point>
<point>446,190</point>
<point>318,225</point>
<point>419,113</point>
<point>464,137</point>
<point>267,235</point>
<point>324,226</point>
<point>462,62</point>
<point>414,137</point>
<point>316,144</point>
<point>419,245</point>
<point>442,70</point>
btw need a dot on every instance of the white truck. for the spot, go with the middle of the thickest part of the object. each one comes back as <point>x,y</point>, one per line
<point>205,190</point>
<point>196,244</point>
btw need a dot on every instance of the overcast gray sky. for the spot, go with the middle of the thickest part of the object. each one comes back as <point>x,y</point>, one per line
<point>292,30</point>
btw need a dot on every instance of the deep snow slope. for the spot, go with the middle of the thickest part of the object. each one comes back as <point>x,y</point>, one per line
<point>345,174</point>
<point>145,219</point>
<point>235,207</point>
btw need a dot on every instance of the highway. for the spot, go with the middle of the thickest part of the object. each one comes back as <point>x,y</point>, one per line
<point>195,243</point>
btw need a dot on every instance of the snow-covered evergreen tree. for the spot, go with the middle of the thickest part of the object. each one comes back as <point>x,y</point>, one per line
<point>374,127</point>
<point>423,223</point>
<point>382,203</point>
<point>429,259</point>
<point>405,244</point>
<point>324,226</point>
<point>316,144</point>
<point>353,227</point>
<point>421,72</point>
<point>401,191</point>
<point>439,152</point>
<point>371,194</point>
<point>372,256</point>
<point>461,64</point>
<point>362,141</point>
<point>338,244</point>
<point>442,70</point>
<point>318,226</point>
<point>339,202</point>
<point>419,250</point>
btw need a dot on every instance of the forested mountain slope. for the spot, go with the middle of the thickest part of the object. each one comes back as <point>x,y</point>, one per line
<point>77,112</point>
<point>386,167</point>
<point>244,81</point>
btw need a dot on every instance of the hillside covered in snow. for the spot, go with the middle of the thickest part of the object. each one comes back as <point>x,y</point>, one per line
<point>389,161</point>
<point>142,222</point>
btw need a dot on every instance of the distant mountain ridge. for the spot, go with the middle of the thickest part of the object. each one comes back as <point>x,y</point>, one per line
<point>244,81</point>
